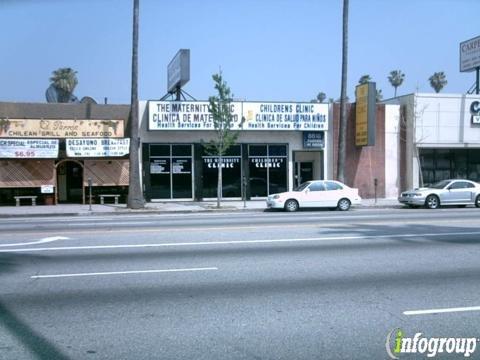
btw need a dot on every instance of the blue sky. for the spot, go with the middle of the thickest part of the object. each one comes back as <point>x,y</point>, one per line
<point>271,50</point>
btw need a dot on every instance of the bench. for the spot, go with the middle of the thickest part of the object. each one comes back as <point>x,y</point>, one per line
<point>103,196</point>
<point>18,198</point>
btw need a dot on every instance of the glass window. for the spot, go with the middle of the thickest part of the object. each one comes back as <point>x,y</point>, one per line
<point>258,177</point>
<point>257,150</point>
<point>317,186</point>
<point>160,178</point>
<point>231,176</point>
<point>277,150</point>
<point>330,185</point>
<point>277,167</point>
<point>159,150</point>
<point>181,150</point>
<point>181,178</point>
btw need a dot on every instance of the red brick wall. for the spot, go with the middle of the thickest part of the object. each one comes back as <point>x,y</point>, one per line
<point>363,164</point>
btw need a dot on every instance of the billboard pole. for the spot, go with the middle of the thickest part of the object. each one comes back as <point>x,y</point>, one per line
<point>477,86</point>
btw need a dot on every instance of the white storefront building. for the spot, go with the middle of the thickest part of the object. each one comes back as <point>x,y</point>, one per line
<point>280,145</point>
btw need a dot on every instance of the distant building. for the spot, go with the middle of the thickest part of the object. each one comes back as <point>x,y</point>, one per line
<point>439,138</point>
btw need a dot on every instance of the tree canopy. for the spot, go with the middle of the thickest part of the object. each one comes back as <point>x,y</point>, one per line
<point>438,81</point>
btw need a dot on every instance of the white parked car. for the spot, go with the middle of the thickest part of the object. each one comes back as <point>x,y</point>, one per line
<point>317,193</point>
<point>446,192</point>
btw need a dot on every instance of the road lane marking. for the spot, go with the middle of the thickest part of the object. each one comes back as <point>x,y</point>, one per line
<point>156,229</point>
<point>440,311</point>
<point>41,241</point>
<point>238,242</point>
<point>121,273</point>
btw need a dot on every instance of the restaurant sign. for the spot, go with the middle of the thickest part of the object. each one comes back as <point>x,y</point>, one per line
<point>97,147</point>
<point>29,148</point>
<point>195,115</point>
<point>41,128</point>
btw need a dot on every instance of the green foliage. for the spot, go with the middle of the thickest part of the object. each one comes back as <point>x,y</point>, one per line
<point>396,78</point>
<point>321,96</point>
<point>438,81</point>
<point>64,80</point>
<point>223,119</point>
<point>364,79</point>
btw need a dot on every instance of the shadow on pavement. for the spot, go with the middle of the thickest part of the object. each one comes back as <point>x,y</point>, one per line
<point>40,347</point>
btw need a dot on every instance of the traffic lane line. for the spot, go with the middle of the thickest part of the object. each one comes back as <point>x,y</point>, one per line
<point>441,311</point>
<point>241,242</point>
<point>121,273</point>
<point>259,227</point>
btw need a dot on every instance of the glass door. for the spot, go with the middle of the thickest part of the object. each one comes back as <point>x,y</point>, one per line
<point>303,172</point>
<point>171,171</point>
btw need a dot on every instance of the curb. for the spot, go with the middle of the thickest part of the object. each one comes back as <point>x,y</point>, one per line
<point>158,211</point>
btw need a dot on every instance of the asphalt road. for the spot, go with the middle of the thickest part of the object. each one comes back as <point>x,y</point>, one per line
<point>274,285</point>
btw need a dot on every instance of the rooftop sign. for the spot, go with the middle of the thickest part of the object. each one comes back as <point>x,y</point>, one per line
<point>470,54</point>
<point>178,70</point>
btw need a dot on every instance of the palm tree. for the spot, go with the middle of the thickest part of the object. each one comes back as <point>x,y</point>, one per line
<point>342,136</point>
<point>64,80</point>
<point>438,81</point>
<point>135,194</point>
<point>364,79</point>
<point>396,78</point>
<point>321,96</point>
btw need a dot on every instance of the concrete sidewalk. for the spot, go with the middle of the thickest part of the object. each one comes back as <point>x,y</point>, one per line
<point>158,207</point>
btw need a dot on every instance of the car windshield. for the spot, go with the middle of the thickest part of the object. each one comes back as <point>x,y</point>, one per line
<point>302,187</point>
<point>440,184</point>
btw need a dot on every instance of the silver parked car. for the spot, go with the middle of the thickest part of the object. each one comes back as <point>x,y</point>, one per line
<point>446,192</point>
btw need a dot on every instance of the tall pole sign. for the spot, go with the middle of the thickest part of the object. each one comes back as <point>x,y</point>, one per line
<point>365,114</point>
<point>470,59</point>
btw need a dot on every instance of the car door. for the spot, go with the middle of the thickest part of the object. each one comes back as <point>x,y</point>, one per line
<point>458,192</point>
<point>315,195</point>
<point>333,193</point>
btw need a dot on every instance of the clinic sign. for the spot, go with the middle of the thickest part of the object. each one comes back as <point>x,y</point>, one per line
<point>470,54</point>
<point>97,147</point>
<point>185,115</point>
<point>29,148</point>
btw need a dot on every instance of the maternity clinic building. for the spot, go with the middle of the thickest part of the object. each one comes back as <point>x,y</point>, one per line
<point>280,145</point>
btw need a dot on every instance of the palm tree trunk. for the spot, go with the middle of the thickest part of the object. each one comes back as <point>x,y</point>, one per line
<point>135,194</point>
<point>343,108</point>
<point>395,91</point>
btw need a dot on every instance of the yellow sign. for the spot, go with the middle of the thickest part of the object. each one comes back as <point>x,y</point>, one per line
<point>361,115</point>
<point>41,128</point>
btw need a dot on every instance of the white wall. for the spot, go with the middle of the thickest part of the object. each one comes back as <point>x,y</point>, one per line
<point>444,120</point>
<point>392,150</point>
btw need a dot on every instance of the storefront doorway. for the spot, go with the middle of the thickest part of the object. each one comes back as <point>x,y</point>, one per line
<point>307,165</point>
<point>171,171</point>
<point>69,182</point>
<point>303,172</point>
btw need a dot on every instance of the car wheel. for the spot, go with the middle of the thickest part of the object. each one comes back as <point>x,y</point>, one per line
<point>477,201</point>
<point>432,202</point>
<point>343,204</point>
<point>291,205</point>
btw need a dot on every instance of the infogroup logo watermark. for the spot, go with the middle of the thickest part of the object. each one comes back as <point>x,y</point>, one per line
<point>397,343</point>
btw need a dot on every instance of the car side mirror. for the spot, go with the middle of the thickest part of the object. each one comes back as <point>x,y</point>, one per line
<point>307,190</point>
